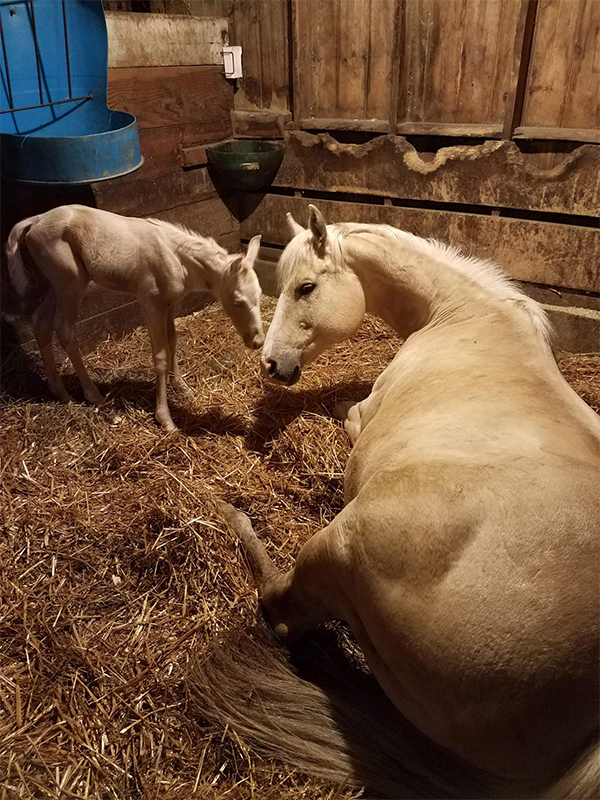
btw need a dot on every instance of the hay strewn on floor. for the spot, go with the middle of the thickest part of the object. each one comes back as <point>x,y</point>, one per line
<point>115,567</point>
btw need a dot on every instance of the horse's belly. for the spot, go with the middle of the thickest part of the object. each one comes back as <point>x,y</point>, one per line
<point>477,602</point>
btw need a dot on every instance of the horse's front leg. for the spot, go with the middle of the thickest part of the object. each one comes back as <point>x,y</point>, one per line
<point>177,382</point>
<point>156,314</point>
<point>348,412</point>
<point>299,600</point>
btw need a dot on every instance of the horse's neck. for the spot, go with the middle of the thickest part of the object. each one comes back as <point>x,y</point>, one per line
<point>410,289</point>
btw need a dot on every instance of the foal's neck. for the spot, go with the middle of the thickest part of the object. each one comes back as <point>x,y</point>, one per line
<point>203,262</point>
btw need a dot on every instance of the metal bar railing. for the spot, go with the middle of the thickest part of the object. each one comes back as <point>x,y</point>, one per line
<point>38,60</point>
<point>8,83</point>
<point>45,105</point>
<point>64,10</point>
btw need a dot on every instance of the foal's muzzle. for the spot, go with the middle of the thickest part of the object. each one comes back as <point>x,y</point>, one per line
<point>254,341</point>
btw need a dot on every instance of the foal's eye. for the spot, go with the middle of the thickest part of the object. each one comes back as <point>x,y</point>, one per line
<point>306,288</point>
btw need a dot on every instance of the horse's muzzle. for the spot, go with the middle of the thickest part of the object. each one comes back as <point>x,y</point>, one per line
<point>280,373</point>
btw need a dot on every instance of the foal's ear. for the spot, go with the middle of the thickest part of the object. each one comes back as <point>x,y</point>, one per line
<point>236,265</point>
<point>318,227</point>
<point>252,251</point>
<point>294,227</point>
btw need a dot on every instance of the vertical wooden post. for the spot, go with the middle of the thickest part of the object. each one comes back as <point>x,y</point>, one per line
<point>398,63</point>
<point>295,71</point>
<point>520,67</point>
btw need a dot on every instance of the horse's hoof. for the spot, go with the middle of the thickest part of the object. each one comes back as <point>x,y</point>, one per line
<point>341,410</point>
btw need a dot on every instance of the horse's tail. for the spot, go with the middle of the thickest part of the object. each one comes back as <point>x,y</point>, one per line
<point>24,274</point>
<point>340,728</point>
<point>582,780</point>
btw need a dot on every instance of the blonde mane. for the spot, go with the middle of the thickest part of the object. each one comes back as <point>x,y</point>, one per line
<point>183,237</point>
<point>486,274</point>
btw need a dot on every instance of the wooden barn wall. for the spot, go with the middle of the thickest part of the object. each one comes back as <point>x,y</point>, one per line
<point>179,110</point>
<point>476,121</point>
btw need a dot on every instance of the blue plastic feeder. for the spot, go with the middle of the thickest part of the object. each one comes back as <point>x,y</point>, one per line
<point>55,125</point>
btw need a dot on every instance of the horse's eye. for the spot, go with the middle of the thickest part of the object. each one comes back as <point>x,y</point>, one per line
<point>306,288</point>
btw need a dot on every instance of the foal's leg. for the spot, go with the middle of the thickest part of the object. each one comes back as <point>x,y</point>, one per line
<point>42,326</point>
<point>65,319</point>
<point>177,381</point>
<point>156,315</point>
<point>309,594</point>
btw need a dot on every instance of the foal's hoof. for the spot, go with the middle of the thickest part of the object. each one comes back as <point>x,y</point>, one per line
<point>341,410</point>
<point>182,387</point>
<point>167,424</point>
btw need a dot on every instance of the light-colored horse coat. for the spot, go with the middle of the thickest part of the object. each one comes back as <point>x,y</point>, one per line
<point>158,262</point>
<point>466,557</point>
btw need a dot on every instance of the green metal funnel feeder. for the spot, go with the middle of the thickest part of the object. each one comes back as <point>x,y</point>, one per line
<point>246,164</point>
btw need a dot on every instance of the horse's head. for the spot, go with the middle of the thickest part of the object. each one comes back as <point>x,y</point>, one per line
<point>239,293</point>
<point>321,301</point>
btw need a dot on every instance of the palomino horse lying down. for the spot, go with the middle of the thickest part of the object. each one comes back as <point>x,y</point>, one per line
<point>466,558</point>
<point>158,262</point>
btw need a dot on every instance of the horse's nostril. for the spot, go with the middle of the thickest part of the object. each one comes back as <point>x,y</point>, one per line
<point>272,366</point>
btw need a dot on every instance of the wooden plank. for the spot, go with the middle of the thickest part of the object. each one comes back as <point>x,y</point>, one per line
<point>458,59</point>
<point>563,90</point>
<point>380,54</point>
<point>172,96</point>
<point>482,131</point>
<point>261,28</point>
<point>147,197</point>
<point>274,54</point>
<point>494,174</point>
<point>352,34</point>
<point>591,135</point>
<point>537,252</point>
<point>260,124</point>
<point>164,40</point>
<point>316,124</point>
<point>160,148</point>
<point>344,52</point>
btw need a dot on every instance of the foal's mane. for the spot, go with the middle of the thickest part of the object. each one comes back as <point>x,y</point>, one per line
<point>183,237</point>
<point>488,275</point>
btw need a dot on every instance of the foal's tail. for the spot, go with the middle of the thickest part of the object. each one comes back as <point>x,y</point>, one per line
<point>24,275</point>
<point>329,719</point>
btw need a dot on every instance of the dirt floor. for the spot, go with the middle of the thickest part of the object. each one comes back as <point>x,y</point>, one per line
<point>116,570</point>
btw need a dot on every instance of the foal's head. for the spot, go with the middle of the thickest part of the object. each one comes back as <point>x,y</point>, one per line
<point>321,302</point>
<point>239,293</point>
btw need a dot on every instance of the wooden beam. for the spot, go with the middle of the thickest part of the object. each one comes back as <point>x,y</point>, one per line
<point>450,129</point>
<point>591,135</point>
<point>260,124</point>
<point>537,252</point>
<point>494,174</point>
<point>314,124</point>
<point>519,67</point>
<point>164,40</point>
<point>397,63</point>
<point>151,196</point>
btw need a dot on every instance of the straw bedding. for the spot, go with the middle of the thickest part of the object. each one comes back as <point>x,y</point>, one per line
<point>115,568</point>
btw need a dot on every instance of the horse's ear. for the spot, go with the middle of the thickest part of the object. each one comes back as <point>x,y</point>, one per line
<point>252,251</point>
<point>294,227</point>
<point>236,264</point>
<point>318,227</point>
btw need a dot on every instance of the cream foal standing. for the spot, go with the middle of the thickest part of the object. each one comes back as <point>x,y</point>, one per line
<point>158,262</point>
<point>466,557</point>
